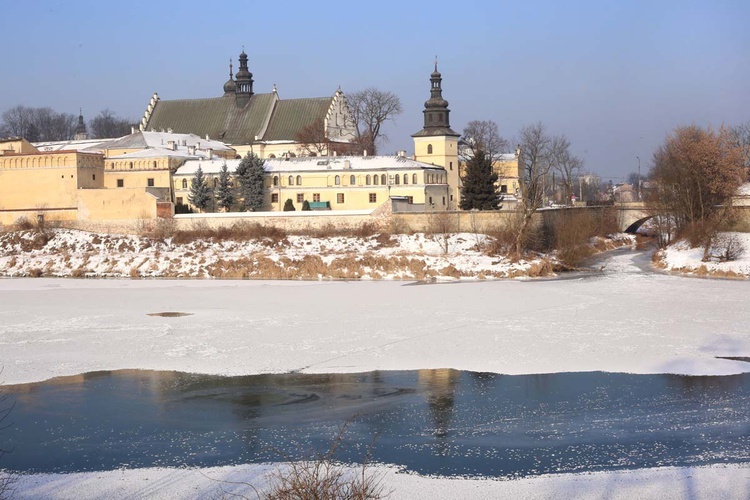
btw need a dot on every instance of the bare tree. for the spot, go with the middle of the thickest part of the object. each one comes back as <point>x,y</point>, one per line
<point>370,109</point>
<point>536,148</point>
<point>313,140</point>
<point>17,121</point>
<point>565,163</point>
<point>483,135</point>
<point>53,126</point>
<point>740,136</point>
<point>107,125</point>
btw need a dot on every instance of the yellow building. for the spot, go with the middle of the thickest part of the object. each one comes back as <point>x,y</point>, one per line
<point>437,143</point>
<point>263,124</point>
<point>34,183</point>
<point>147,160</point>
<point>335,183</point>
<point>509,169</point>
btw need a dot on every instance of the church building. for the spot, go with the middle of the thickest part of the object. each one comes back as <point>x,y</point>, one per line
<point>247,121</point>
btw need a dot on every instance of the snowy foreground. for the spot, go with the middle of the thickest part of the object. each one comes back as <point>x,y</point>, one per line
<point>681,257</point>
<point>624,320</point>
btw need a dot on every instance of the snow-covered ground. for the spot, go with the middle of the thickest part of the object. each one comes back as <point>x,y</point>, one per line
<point>65,252</point>
<point>681,257</point>
<point>624,320</point>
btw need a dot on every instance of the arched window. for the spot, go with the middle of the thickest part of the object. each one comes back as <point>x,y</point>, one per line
<point>184,183</point>
<point>216,181</point>
<point>397,179</point>
<point>337,180</point>
<point>382,179</point>
<point>406,178</point>
<point>272,155</point>
<point>155,165</point>
<point>299,180</point>
<point>275,180</point>
<point>352,180</point>
<point>413,178</point>
<point>375,180</point>
<point>368,180</point>
<point>429,149</point>
<point>131,164</point>
<point>291,180</point>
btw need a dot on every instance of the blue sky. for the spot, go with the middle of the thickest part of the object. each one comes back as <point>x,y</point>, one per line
<point>615,77</point>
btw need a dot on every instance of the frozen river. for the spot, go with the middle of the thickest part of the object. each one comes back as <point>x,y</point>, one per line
<point>622,320</point>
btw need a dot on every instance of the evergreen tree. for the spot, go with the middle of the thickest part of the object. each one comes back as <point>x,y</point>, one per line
<point>306,206</point>
<point>200,193</point>
<point>224,196</point>
<point>289,205</point>
<point>479,190</point>
<point>250,174</point>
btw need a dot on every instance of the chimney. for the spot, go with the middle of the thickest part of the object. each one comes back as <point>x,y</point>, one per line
<point>209,153</point>
<point>207,138</point>
<point>132,130</point>
<point>364,153</point>
<point>402,153</point>
<point>172,145</point>
<point>169,130</point>
<point>347,165</point>
<point>191,150</point>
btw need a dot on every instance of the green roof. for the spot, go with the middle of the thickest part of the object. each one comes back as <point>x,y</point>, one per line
<point>222,119</point>
<point>292,115</point>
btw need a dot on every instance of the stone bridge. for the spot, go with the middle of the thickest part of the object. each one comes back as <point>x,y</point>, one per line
<point>631,215</point>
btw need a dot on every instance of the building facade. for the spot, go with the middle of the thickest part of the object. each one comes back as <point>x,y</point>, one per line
<point>334,183</point>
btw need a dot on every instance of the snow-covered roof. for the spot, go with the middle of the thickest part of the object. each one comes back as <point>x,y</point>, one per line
<point>145,139</point>
<point>86,145</point>
<point>313,164</point>
<point>161,152</point>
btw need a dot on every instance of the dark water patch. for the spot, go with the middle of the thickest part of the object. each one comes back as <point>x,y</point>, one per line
<point>429,421</point>
<point>170,314</point>
<point>735,358</point>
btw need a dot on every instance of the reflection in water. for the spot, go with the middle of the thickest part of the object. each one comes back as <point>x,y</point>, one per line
<point>430,421</point>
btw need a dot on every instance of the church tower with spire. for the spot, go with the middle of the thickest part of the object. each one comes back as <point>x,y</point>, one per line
<point>437,143</point>
<point>244,82</point>
<point>81,134</point>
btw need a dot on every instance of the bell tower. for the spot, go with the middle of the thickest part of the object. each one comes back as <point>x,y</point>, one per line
<point>244,82</point>
<point>437,143</point>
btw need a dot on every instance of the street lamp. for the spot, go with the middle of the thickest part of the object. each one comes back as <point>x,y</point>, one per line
<point>639,178</point>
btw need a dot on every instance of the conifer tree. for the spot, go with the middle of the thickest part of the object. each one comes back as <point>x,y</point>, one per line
<point>479,190</point>
<point>306,206</point>
<point>200,193</point>
<point>224,195</point>
<point>289,205</point>
<point>250,174</point>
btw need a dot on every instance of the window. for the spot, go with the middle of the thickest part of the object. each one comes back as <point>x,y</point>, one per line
<point>337,180</point>
<point>397,179</point>
<point>274,197</point>
<point>316,197</point>
<point>504,188</point>
<point>184,183</point>
<point>406,178</point>
<point>339,197</point>
<point>150,183</point>
<point>352,180</point>
<point>272,156</point>
<point>429,149</point>
<point>131,164</point>
<point>155,164</point>
<point>299,180</point>
<point>431,204</point>
<point>216,182</point>
<point>451,164</point>
<point>443,200</point>
<point>291,180</point>
<point>179,200</point>
<point>120,183</point>
<point>368,180</point>
<point>93,177</point>
<point>382,180</point>
<point>375,179</point>
<point>413,178</point>
<point>373,197</point>
<point>300,197</point>
<point>275,180</point>
<point>410,200</point>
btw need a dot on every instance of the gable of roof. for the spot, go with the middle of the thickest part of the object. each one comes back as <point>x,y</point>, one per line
<point>219,117</point>
<point>291,116</point>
